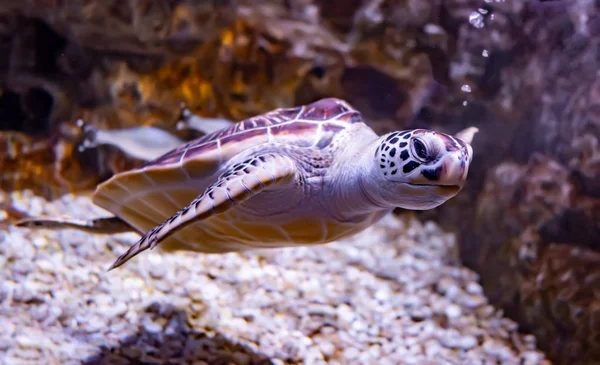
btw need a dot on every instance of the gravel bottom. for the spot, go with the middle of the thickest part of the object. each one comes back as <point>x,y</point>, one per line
<point>395,294</point>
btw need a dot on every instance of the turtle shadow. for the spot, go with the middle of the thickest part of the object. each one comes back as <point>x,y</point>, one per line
<point>165,336</point>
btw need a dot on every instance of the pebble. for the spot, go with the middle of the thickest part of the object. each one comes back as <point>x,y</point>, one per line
<point>369,299</point>
<point>474,288</point>
<point>453,311</point>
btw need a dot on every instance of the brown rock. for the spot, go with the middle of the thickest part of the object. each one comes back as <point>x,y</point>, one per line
<point>537,250</point>
<point>530,212</point>
<point>118,65</point>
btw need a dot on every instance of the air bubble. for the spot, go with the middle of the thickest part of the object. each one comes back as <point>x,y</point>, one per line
<point>476,20</point>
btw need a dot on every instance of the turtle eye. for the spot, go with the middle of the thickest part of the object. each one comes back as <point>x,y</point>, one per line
<point>420,150</point>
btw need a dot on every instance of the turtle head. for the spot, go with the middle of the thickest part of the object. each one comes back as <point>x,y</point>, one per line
<point>421,169</point>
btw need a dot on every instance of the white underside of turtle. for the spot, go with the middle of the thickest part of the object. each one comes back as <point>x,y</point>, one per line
<point>296,176</point>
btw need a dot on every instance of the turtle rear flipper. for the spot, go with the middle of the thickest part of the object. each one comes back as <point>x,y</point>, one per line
<point>106,225</point>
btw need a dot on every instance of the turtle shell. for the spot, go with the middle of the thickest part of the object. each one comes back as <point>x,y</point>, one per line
<point>147,196</point>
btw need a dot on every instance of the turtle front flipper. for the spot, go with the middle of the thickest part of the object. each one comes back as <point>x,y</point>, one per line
<point>467,134</point>
<point>237,184</point>
<point>106,225</point>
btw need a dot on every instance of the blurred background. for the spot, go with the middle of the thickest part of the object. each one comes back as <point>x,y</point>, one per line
<point>525,72</point>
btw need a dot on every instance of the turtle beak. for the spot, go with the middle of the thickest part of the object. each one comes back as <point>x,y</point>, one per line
<point>447,190</point>
<point>456,168</point>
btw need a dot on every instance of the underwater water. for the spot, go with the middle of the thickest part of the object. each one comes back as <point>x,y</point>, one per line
<point>506,271</point>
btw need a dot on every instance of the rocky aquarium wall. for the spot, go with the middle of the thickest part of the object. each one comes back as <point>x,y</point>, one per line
<point>508,271</point>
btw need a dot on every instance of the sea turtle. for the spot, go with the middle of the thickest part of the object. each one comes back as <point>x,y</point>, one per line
<point>142,143</point>
<point>293,176</point>
<point>188,120</point>
<point>148,143</point>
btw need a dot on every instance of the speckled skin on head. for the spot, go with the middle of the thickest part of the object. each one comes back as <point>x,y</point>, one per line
<point>297,176</point>
<point>431,161</point>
